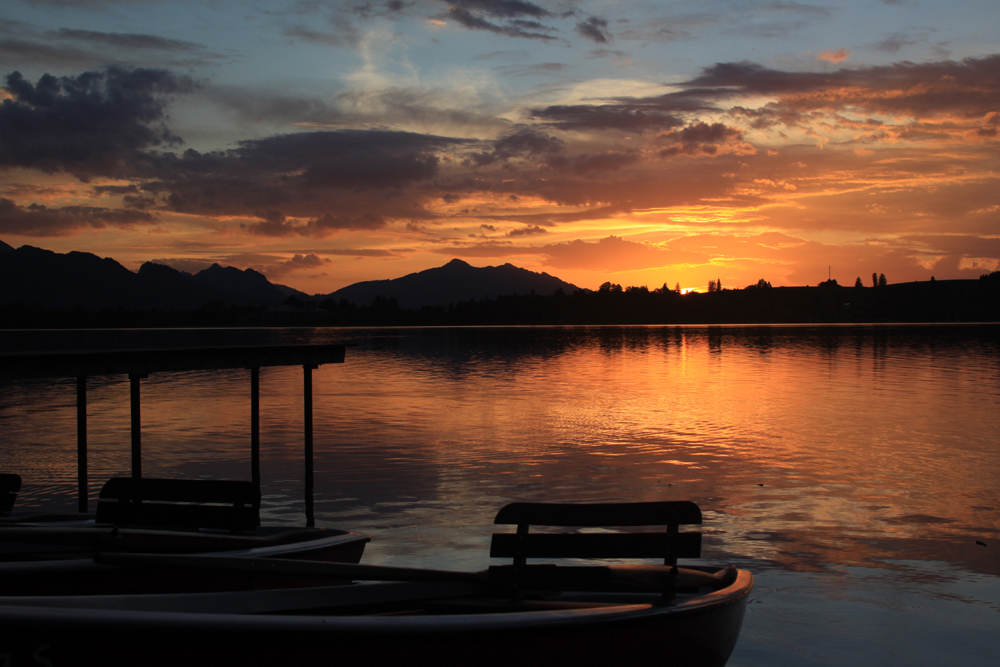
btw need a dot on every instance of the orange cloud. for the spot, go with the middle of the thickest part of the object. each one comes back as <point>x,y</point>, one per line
<point>837,56</point>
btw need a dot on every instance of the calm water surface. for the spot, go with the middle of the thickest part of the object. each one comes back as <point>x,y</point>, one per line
<point>851,469</point>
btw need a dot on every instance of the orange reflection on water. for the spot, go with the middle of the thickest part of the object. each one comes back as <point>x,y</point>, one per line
<point>803,446</point>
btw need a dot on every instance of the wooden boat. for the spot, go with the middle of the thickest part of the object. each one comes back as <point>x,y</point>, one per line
<point>161,516</point>
<point>525,614</point>
<point>54,553</point>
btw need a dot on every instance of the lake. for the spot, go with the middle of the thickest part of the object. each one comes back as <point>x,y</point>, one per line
<point>855,470</point>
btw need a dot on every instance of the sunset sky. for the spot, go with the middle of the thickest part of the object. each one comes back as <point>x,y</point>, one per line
<point>323,143</point>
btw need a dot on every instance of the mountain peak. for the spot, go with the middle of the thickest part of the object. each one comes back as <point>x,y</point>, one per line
<point>245,282</point>
<point>440,286</point>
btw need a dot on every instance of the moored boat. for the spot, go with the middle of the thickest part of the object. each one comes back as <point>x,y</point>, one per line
<point>530,614</point>
<point>173,517</point>
<point>422,624</point>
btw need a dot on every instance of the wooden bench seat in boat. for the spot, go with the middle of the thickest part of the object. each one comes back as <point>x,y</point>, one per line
<point>180,504</point>
<point>189,515</point>
<point>667,544</point>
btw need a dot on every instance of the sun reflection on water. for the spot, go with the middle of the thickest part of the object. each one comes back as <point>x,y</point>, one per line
<point>810,449</point>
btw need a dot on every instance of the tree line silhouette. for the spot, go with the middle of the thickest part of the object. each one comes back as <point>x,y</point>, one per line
<point>933,301</point>
<point>828,302</point>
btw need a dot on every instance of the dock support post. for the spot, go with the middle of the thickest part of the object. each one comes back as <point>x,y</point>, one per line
<point>255,426</point>
<point>136,424</point>
<point>307,400</point>
<point>81,443</point>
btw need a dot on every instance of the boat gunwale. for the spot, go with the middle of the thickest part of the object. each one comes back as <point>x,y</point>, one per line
<point>84,561</point>
<point>46,610</point>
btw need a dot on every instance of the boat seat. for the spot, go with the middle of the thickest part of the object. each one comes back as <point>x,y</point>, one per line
<point>10,484</point>
<point>180,504</point>
<point>668,544</point>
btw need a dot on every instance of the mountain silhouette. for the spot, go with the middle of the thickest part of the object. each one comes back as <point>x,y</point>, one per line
<point>249,284</point>
<point>45,278</point>
<point>454,282</point>
<point>30,275</point>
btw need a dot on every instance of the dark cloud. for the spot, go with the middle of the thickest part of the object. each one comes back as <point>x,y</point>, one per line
<point>529,230</point>
<point>524,142</point>
<point>586,163</point>
<point>94,124</point>
<point>344,158</point>
<point>531,25</point>
<point>519,18</point>
<point>502,8</point>
<point>22,191</point>
<point>303,175</point>
<point>38,220</point>
<point>634,116</point>
<point>474,22</point>
<point>699,139</point>
<point>298,262</point>
<point>970,87</point>
<point>595,29</point>
<point>104,190</point>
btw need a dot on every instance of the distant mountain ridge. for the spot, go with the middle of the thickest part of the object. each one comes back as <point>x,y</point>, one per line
<point>79,279</point>
<point>452,283</point>
<point>45,278</point>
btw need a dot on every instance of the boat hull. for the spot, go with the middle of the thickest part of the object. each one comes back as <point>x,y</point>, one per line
<point>76,573</point>
<point>700,630</point>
